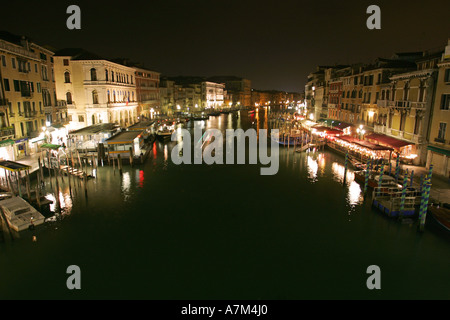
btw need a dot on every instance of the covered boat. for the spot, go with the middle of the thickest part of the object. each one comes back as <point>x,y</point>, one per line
<point>19,214</point>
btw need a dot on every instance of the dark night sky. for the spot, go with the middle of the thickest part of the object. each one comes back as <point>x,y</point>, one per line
<point>273,43</point>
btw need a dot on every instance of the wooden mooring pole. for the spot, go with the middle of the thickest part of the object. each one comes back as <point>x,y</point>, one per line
<point>119,160</point>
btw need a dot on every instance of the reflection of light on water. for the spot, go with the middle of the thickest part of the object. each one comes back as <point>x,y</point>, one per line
<point>51,197</point>
<point>354,196</point>
<point>166,153</point>
<point>338,173</point>
<point>64,201</point>
<point>312,168</point>
<point>321,160</point>
<point>141,178</point>
<point>354,193</point>
<point>126,183</point>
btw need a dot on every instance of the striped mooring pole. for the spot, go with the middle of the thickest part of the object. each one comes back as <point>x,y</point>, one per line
<point>425,198</point>
<point>397,167</point>
<point>402,201</point>
<point>411,178</point>
<point>366,182</point>
<point>380,179</point>
<point>345,166</point>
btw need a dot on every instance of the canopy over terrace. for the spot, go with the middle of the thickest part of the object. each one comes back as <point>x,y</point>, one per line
<point>13,166</point>
<point>95,129</point>
<point>360,148</point>
<point>392,142</point>
<point>318,129</point>
<point>89,137</point>
<point>50,146</point>
<point>335,124</point>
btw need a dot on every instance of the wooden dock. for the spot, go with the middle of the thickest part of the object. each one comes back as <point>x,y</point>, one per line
<point>73,171</point>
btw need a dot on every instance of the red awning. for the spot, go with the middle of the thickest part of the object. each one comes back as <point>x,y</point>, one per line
<point>387,140</point>
<point>341,125</point>
<point>366,144</point>
<point>328,131</point>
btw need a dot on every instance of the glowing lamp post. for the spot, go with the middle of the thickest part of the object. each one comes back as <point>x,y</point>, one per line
<point>361,132</point>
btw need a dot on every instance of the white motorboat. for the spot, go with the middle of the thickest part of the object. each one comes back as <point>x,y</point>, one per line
<point>20,214</point>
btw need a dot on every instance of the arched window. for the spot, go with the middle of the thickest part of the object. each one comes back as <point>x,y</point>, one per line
<point>94,97</point>
<point>114,95</point>
<point>93,74</point>
<point>67,77</point>
<point>108,97</point>
<point>93,119</point>
<point>69,98</point>
<point>106,75</point>
<point>112,76</point>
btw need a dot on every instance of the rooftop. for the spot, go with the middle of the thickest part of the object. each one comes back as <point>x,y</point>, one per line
<point>94,129</point>
<point>125,137</point>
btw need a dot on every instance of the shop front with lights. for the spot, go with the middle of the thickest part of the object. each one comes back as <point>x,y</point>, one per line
<point>405,149</point>
<point>7,150</point>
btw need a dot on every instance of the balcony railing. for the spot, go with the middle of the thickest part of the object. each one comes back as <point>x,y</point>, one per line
<point>415,138</point>
<point>121,104</point>
<point>402,104</point>
<point>104,82</point>
<point>7,131</point>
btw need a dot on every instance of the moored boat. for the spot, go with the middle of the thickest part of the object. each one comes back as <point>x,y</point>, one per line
<point>19,214</point>
<point>442,215</point>
<point>165,132</point>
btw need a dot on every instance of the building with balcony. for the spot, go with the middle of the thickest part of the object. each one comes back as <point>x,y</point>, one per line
<point>438,152</point>
<point>212,95</point>
<point>147,91</point>
<point>96,90</point>
<point>147,88</point>
<point>239,88</point>
<point>190,94</point>
<point>167,96</point>
<point>28,92</point>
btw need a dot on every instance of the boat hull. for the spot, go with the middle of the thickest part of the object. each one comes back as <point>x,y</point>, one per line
<point>163,137</point>
<point>19,214</point>
<point>441,216</point>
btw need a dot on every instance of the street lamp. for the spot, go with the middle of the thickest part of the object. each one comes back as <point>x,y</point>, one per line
<point>361,132</point>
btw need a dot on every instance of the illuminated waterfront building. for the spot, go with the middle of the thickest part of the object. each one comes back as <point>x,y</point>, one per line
<point>96,90</point>
<point>439,148</point>
<point>28,96</point>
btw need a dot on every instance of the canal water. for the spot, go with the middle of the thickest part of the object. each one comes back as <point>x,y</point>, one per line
<point>166,231</point>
